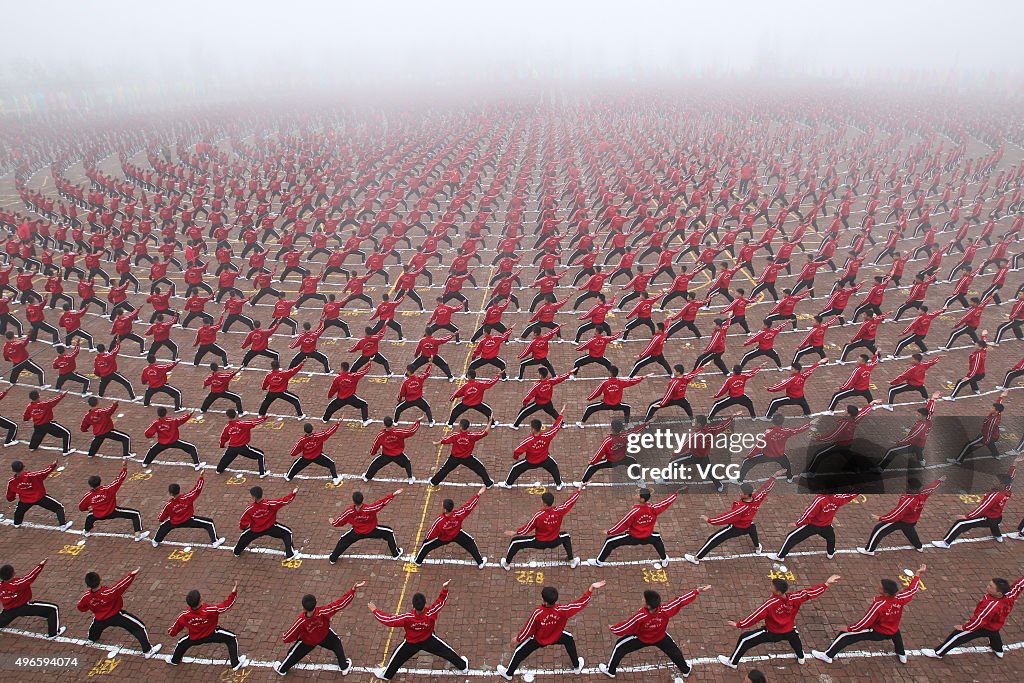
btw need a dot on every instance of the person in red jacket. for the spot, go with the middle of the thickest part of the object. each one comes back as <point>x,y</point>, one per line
<point>914,442</point>
<point>903,517</point>
<point>369,350</point>
<point>40,412</point>
<point>179,513</point>
<point>101,504</point>
<point>738,521</point>
<point>987,621</point>
<point>107,607</point>
<point>816,520</point>
<point>310,449</point>
<point>306,343</point>
<point>472,395</point>
<point>637,528</point>
<point>546,526</point>
<point>276,385</point>
<point>733,392</point>
<point>260,519</point>
<point>313,629</point>
<point>390,441</point>
<point>30,490</point>
<point>16,353</point>
<point>343,393</point>
<point>546,626</point>
<point>166,430</point>
<point>104,366</point>
<point>154,376</point>
<point>102,425</point>
<point>363,519</point>
<point>595,348</point>
<point>201,623</point>
<point>236,438</point>
<point>539,396</point>
<point>16,600</point>
<point>488,352</point>
<point>975,368</point>
<point>648,627</point>
<point>988,513</point>
<point>610,391</point>
<point>66,365</point>
<point>219,380</point>
<point>447,528</point>
<point>419,625</point>
<point>463,441</point>
<point>410,394</point>
<point>859,383</point>
<point>882,621</point>
<point>258,342</point>
<point>779,613</point>
<point>989,435</point>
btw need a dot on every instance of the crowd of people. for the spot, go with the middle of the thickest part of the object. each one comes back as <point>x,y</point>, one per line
<point>240,241</point>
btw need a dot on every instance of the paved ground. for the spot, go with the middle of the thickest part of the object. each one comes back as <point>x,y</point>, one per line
<point>487,607</point>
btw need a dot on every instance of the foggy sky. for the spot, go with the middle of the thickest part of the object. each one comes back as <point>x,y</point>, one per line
<point>229,43</point>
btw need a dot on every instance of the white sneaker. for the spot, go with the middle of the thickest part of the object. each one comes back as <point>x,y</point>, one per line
<point>398,556</point>
<point>503,672</point>
<point>65,526</point>
<point>153,651</point>
<point>506,566</point>
<point>829,556</point>
<point>818,654</point>
<point>774,557</point>
<point>999,655</point>
<point>726,662</point>
<point>142,535</point>
<point>465,665</point>
<point>603,668</point>
<point>692,559</point>
<point>865,551</point>
<point>940,544</point>
<point>559,486</point>
<point>347,668</point>
<point>503,485</point>
<point>242,661</point>
<point>155,544</point>
<point>336,480</point>
<point>483,563</point>
<point>218,543</point>
<point>265,474</point>
<point>595,562</point>
<point>902,658</point>
<point>928,652</point>
<point>801,660</point>
<point>579,667</point>
<point>60,632</point>
<point>759,549</point>
<point>887,406</point>
<point>575,562</point>
<point>379,673</point>
<point>199,466</point>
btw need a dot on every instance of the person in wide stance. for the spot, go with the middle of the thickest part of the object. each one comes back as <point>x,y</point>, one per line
<point>419,627</point>
<point>16,600</point>
<point>313,629</point>
<point>648,628</point>
<point>447,528</point>
<point>882,622</point>
<point>779,613</point>
<point>546,626</point>
<point>987,621</point>
<point>106,605</point>
<point>637,528</point>
<point>200,622</point>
